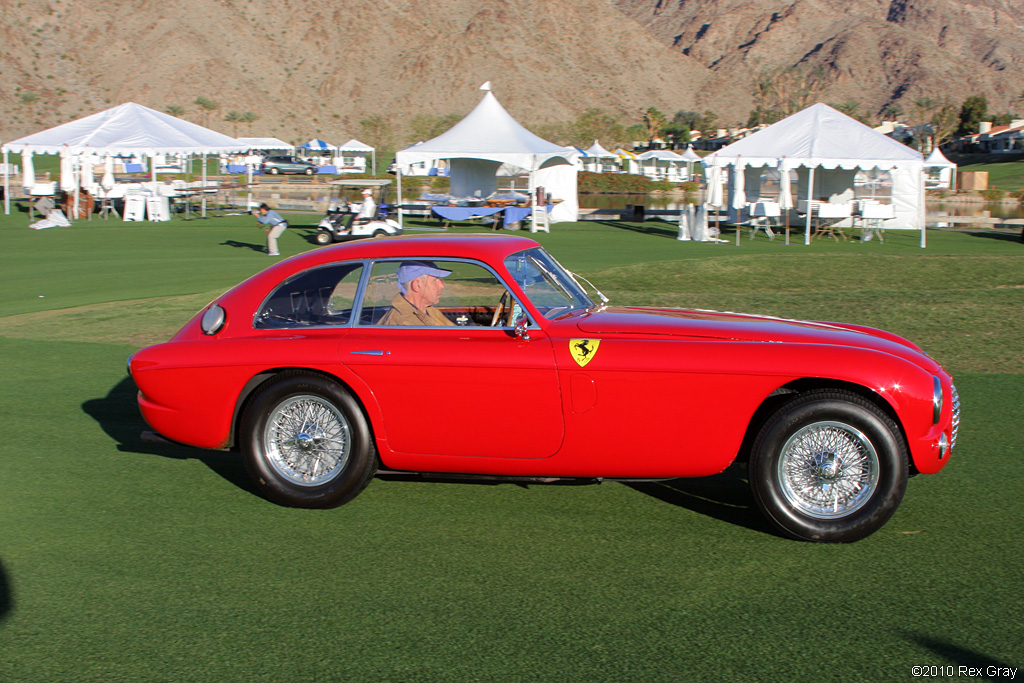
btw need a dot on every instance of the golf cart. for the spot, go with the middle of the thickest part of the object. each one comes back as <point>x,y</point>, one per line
<point>341,222</point>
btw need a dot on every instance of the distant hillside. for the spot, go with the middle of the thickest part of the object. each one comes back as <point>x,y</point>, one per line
<point>872,52</point>
<point>320,69</point>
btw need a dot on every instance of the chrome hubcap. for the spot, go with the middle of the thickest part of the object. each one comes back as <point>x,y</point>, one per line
<point>307,440</point>
<point>828,470</point>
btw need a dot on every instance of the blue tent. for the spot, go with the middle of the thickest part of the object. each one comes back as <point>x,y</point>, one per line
<point>317,146</point>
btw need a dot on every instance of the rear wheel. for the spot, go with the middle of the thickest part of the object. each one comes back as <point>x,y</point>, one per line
<point>306,442</point>
<point>324,237</point>
<point>273,170</point>
<point>829,466</point>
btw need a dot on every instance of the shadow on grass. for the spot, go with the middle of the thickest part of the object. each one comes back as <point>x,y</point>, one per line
<point>118,415</point>
<point>984,667</point>
<point>646,228</point>
<point>724,496</point>
<point>1001,236</point>
<point>244,245</point>
<point>6,598</point>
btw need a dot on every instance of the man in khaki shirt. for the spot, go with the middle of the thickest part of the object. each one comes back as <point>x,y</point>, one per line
<point>421,284</point>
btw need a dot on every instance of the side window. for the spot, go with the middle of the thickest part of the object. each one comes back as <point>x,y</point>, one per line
<point>321,296</point>
<point>470,296</point>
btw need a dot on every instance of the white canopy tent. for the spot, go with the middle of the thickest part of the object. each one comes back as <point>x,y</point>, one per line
<point>940,171</point>
<point>357,151</point>
<point>127,129</point>
<point>827,150</point>
<point>267,145</point>
<point>690,157</point>
<point>662,164</point>
<point>594,159</point>
<point>488,137</point>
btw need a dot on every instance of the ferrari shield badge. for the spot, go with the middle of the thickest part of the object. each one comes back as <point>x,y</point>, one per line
<point>583,350</point>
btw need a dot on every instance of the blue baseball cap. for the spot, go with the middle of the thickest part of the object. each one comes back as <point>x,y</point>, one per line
<point>410,270</point>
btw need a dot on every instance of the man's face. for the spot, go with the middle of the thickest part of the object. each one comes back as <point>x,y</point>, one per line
<point>432,287</point>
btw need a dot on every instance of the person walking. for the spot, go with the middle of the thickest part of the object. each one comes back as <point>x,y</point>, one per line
<point>276,227</point>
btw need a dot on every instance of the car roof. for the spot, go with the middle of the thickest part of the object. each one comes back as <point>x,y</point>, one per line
<point>488,248</point>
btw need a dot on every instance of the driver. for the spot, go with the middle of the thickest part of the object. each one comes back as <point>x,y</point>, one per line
<point>421,284</point>
<point>368,209</point>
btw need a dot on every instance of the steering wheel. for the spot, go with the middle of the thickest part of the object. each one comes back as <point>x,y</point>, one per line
<point>497,311</point>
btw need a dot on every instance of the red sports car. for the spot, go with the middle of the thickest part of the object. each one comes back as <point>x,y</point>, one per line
<point>481,355</point>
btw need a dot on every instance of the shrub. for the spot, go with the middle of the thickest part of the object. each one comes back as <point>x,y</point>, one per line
<point>612,183</point>
<point>993,195</point>
<point>1018,194</point>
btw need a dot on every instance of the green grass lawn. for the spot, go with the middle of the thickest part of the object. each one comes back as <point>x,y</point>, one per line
<point>127,561</point>
<point>1005,171</point>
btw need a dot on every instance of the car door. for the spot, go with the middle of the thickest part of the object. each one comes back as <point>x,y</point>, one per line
<point>469,389</point>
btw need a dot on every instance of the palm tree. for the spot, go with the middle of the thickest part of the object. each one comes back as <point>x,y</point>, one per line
<point>234,118</point>
<point>206,105</point>
<point>30,100</point>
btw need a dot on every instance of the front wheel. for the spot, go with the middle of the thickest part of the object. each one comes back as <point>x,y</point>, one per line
<point>306,442</point>
<point>308,171</point>
<point>829,466</point>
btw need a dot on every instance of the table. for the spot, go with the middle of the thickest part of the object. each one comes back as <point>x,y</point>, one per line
<point>763,215</point>
<point>825,217</point>
<point>511,214</point>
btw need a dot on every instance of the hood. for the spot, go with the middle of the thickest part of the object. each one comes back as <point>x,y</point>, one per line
<point>718,325</point>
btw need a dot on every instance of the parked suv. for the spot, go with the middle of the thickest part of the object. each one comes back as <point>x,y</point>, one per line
<point>287,164</point>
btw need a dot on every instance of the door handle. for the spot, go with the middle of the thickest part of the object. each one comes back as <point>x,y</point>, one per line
<point>372,352</point>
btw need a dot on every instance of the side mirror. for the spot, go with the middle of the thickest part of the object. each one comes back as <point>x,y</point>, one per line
<point>520,328</point>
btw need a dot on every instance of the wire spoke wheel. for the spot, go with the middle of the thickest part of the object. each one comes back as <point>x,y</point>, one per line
<point>828,470</point>
<point>828,466</point>
<point>307,440</point>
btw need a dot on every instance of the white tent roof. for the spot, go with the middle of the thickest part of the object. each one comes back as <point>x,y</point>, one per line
<point>937,158</point>
<point>487,132</point>
<point>354,145</point>
<point>596,150</point>
<point>662,155</point>
<point>690,155</point>
<point>817,136</point>
<point>127,129</point>
<point>265,143</point>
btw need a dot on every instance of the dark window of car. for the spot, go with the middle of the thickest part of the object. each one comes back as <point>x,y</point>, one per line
<point>472,296</point>
<point>321,296</point>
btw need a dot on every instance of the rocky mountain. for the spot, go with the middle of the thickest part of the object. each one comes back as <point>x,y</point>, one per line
<point>318,69</point>
<point>340,68</point>
<point>869,52</point>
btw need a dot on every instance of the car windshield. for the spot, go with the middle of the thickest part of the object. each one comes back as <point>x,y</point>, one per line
<point>546,283</point>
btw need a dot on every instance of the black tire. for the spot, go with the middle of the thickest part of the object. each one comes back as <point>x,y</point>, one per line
<point>829,466</point>
<point>285,461</point>
<point>309,171</point>
<point>273,171</point>
<point>379,232</point>
<point>324,237</point>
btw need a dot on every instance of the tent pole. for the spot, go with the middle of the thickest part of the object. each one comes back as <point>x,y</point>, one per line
<point>921,215</point>
<point>7,186</point>
<point>203,214</point>
<point>810,193</point>
<point>401,213</point>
